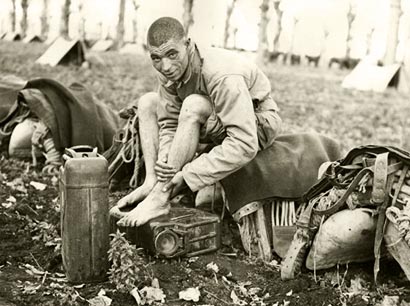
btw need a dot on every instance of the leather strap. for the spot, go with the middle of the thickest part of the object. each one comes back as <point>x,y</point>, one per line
<point>335,207</point>
<point>380,228</point>
<point>380,179</point>
<point>246,210</point>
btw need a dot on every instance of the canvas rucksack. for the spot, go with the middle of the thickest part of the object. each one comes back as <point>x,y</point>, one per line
<point>361,200</point>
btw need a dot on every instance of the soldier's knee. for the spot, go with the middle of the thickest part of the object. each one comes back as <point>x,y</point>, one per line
<point>196,107</point>
<point>147,104</point>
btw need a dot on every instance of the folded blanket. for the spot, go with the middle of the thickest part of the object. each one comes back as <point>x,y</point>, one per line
<point>285,170</point>
<point>9,88</point>
<point>73,116</point>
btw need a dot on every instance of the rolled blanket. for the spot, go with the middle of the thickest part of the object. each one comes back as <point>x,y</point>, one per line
<point>71,113</point>
<point>286,170</point>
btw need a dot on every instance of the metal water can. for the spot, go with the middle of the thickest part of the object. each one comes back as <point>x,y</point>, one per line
<point>84,214</point>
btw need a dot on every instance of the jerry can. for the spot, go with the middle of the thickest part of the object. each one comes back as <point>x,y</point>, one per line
<point>183,232</point>
<point>83,190</point>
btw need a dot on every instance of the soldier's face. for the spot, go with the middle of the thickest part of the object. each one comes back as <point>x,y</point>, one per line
<point>170,59</point>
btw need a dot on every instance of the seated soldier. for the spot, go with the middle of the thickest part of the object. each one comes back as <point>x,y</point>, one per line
<point>209,96</point>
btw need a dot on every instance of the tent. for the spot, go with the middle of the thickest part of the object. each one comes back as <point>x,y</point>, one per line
<point>102,45</point>
<point>369,76</point>
<point>12,36</point>
<point>32,38</point>
<point>63,52</point>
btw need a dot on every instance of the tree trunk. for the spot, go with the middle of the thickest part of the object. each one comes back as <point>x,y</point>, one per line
<point>81,27</point>
<point>235,32</point>
<point>263,35</point>
<point>23,23</point>
<point>187,16</point>
<point>13,16</point>
<point>393,31</point>
<point>134,22</point>
<point>65,18</point>
<point>119,40</point>
<point>279,14</point>
<point>351,15</point>
<point>229,11</point>
<point>44,19</point>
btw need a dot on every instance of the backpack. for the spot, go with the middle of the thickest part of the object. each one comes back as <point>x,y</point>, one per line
<point>360,201</point>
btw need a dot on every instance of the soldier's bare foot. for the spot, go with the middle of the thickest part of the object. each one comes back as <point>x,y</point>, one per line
<point>155,204</point>
<point>137,195</point>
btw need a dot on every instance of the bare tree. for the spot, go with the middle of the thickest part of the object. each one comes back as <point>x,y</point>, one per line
<point>23,22</point>
<point>263,35</point>
<point>65,18</point>
<point>187,16</point>
<point>351,15</point>
<point>81,28</point>
<point>393,31</point>
<point>134,21</point>
<point>235,32</point>
<point>44,19</point>
<point>279,13</point>
<point>13,16</point>
<point>229,10</point>
<point>119,40</point>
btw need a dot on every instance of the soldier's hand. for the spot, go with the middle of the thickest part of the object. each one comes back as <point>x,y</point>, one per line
<point>176,182</point>
<point>164,171</point>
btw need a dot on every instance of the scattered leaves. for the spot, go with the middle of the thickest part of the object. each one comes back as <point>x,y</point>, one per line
<point>190,294</point>
<point>38,186</point>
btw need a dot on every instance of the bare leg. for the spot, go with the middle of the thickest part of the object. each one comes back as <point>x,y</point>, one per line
<point>148,130</point>
<point>195,111</point>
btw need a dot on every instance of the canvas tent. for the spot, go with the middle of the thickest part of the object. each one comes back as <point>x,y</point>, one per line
<point>12,36</point>
<point>63,52</point>
<point>32,38</point>
<point>369,76</point>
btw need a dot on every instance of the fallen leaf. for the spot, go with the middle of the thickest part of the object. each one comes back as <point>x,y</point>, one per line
<point>17,184</point>
<point>213,267</point>
<point>136,294</point>
<point>30,288</point>
<point>286,303</point>
<point>38,186</point>
<point>236,300</point>
<point>254,291</point>
<point>390,300</point>
<point>193,259</point>
<point>82,286</point>
<point>7,205</point>
<point>100,300</point>
<point>54,180</point>
<point>155,283</point>
<point>190,294</point>
<point>289,293</point>
<point>151,295</point>
<point>11,199</point>
<point>56,285</point>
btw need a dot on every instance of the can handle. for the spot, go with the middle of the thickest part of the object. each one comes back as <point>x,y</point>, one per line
<point>80,151</point>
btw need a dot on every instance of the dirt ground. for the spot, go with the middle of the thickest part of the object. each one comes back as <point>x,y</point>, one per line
<point>311,99</point>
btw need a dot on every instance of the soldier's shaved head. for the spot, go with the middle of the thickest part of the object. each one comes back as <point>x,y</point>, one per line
<point>164,29</point>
